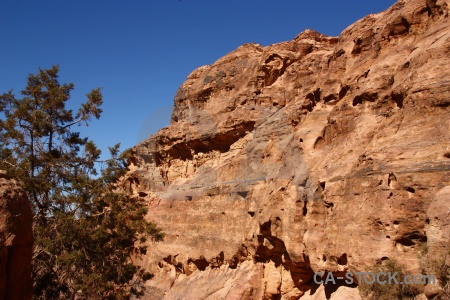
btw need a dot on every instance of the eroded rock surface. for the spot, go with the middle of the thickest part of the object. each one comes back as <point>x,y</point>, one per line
<point>317,154</point>
<point>16,241</point>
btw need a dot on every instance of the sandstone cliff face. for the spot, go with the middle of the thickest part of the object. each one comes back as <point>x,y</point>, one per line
<point>318,154</point>
<point>16,241</point>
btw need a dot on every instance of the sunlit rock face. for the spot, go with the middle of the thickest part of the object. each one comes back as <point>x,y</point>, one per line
<point>318,154</point>
<point>16,241</point>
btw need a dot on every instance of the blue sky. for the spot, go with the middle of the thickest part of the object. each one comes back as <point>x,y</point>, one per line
<point>140,52</point>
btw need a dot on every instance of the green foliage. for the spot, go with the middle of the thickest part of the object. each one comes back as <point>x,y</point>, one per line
<point>390,291</point>
<point>86,229</point>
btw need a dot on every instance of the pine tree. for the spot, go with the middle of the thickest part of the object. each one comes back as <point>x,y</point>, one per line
<point>86,229</point>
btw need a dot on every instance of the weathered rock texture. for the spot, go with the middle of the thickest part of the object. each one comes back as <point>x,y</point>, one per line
<point>318,154</point>
<point>16,241</point>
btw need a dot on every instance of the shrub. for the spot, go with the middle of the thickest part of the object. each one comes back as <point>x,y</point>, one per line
<point>390,291</point>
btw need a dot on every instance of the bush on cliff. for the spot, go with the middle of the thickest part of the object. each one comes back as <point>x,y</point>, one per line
<point>385,290</point>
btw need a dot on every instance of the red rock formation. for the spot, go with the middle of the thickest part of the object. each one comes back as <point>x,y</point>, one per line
<point>317,154</point>
<point>16,241</point>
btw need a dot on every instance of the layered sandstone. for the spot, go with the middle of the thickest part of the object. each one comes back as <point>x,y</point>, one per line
<point>16,241</point>
<point>318,154</point>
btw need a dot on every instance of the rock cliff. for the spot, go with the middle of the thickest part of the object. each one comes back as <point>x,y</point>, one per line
<point>317,154</point>
<point>16,241</point>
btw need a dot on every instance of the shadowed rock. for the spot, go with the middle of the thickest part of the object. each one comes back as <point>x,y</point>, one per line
<point>16,241</point>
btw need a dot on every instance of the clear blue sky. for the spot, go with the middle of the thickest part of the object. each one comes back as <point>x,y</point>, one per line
<point>140,52</point>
